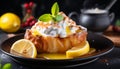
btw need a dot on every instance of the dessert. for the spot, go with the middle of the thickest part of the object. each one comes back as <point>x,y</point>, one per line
<point>56,36</point>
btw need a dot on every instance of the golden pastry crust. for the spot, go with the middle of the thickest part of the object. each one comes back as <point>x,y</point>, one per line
<point>49,44</point>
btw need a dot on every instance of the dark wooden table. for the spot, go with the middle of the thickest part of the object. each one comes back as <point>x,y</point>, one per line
<point>113,36</point>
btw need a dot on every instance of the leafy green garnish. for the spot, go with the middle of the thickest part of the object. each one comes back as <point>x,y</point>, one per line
<point>59,18</point>
<point>54,16</point>
<point>6,66</point>
<point>45,17</point>
<point>55,9</point>
<point>117,23</point>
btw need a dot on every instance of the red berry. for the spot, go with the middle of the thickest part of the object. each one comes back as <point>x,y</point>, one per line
<point>29,20</point>
<point>31,4</point>
<point>26,5</point>
<point>32,23</point>
<point>26,24</point>
<point>29,11</point>
<point>31,17</point>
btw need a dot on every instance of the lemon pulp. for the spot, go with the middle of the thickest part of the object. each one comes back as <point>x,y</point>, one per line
<point>24,47</point>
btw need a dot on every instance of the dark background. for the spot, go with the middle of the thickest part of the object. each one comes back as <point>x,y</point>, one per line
<point>44,6</point>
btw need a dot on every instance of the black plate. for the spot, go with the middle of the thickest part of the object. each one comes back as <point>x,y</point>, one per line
<point>100,43</point>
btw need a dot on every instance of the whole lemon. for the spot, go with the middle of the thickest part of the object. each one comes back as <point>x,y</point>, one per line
<point>9,22</point>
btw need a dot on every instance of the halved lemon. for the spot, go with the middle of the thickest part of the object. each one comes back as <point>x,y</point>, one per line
<point>78,51</point>
<point>24,47</point>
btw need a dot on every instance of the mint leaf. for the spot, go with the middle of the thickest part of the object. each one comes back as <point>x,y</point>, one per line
<point>45,17</point>
<point>54,16</point>
<point>7,66</point>
<point>59,18</point>
<point>55,9</point>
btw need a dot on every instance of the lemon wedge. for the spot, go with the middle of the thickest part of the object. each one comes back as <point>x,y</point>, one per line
<point>24,47</point>
<point>78,51</point>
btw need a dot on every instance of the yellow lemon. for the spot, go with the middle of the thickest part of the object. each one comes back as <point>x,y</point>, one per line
<point>10,22</point>
<point>24,47</point>
<point>78,51</point>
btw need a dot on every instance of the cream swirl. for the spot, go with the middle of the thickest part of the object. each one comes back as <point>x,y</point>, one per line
<point>61,29</point>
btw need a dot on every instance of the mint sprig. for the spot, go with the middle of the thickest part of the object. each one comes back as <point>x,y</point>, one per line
<point>6,66</point>
<point>45,17</point>
<point>58,18</point>
<point>55,9</point>
<point>54,16</point>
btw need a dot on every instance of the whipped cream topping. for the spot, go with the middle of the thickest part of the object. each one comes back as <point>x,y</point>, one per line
<point>61,29</point>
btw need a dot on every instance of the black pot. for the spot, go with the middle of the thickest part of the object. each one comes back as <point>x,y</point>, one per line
<point>96,22</point>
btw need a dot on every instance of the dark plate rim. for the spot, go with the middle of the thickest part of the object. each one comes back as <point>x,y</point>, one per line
<point>61,60</point>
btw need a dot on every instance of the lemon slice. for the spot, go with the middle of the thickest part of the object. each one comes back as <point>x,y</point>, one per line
<point>24,47</point>
<point>78,51</point>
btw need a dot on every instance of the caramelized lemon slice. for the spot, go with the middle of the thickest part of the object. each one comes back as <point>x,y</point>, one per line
<point>24,47</point>
<point>78,51</point>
